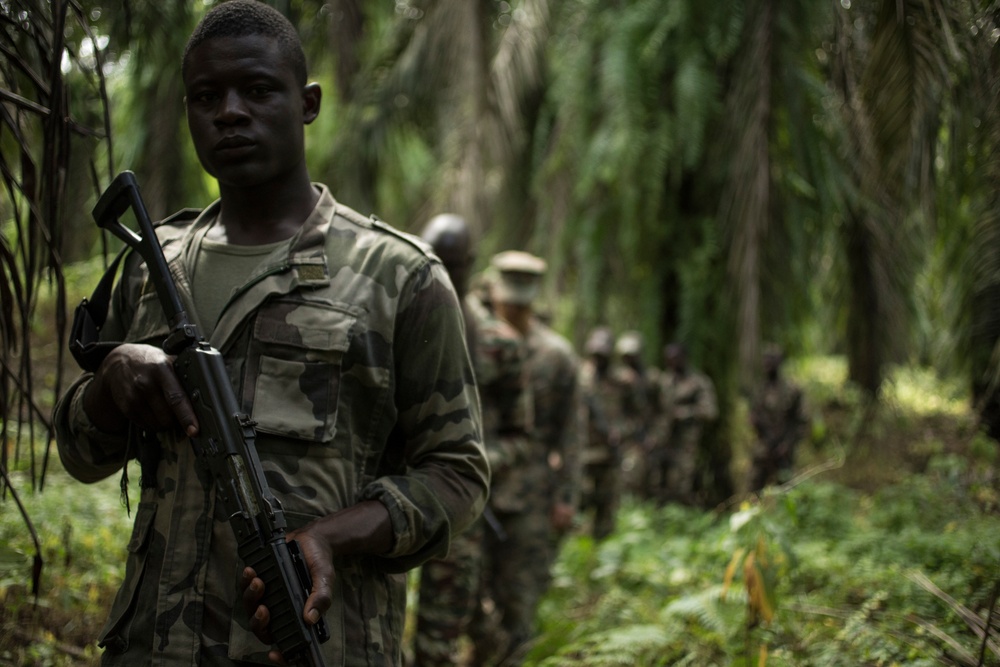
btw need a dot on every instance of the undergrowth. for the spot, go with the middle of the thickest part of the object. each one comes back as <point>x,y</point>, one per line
<point>888,556</point>
<point>814,574</point>
<point>82,530</point>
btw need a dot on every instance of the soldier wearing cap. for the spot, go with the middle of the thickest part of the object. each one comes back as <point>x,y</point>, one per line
<point>639,395</point>
<point>449,585</point>
<point>778,414</point>
<point>604,398</point>
<point>534,499</point>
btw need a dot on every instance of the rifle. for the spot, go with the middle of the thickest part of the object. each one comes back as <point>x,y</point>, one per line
<point>494,523</point>
<point>225,442</point>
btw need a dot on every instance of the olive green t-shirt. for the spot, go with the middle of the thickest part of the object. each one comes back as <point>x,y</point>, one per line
<point>220,269</point>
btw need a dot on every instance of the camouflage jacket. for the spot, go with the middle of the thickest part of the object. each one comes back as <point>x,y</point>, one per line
<point>499,358</point>
<point>557,431</point>
<point>779,416</point>
<point>603,397</point>
<point>347,347</point>
<point>637,412</point>
<point>687,403</point>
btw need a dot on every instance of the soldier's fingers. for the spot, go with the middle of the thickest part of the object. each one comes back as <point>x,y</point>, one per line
<point>156,414</point>
<point>319,561</point>
<point>247,577</point>
<point>253,590</point>
<point>259,622</point>
<point>179,404</point>
<point>317,603</point>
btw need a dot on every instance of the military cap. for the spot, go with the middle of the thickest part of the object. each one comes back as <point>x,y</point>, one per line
<point>519,276</point>
<point>629,344</point>
<point>600,342</point>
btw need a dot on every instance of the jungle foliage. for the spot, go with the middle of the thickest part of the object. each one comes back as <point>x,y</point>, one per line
<point>885,559</point>
<point>822,174</point>
<point>888,558</point>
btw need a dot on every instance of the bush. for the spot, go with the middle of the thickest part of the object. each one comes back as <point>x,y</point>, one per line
<point>82,530</point>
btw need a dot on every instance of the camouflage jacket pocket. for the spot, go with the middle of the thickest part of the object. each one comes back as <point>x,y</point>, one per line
<point>115,635</point>
<point>293,374</point>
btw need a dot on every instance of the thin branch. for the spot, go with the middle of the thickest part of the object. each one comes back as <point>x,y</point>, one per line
<point>962,653</point>
<point>24,103</point>
<point>989,621</point>
<point>16,378</point>
<point>38,561</point>
<point>978,626</point>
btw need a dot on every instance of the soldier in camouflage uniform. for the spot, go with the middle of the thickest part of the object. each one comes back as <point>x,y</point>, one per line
<point>449,585</point>
<point>533,498</point>
<point>344,342</point>
<point>779,417</point>
<point>640,395</point>
<point>604,399</point>
<point>687,404</point>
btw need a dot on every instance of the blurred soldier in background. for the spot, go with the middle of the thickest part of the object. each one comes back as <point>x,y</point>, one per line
<point>534,501</point>
<point>638,399</point>
<point>449,586</point>
<point>687,405</point>
<point>603,397</point>
<point>779,417</point>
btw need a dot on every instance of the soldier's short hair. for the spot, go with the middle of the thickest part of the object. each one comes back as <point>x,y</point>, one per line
<point>243,18</point>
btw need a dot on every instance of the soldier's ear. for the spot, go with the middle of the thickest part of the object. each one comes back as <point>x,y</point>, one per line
<point>312,96</point>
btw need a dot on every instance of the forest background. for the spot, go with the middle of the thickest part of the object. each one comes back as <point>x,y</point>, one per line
<point>819,173</point>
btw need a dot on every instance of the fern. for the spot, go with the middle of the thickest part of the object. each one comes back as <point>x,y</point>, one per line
<point>634,645</point>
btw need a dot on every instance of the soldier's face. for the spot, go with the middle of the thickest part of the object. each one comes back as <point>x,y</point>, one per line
<point>246,110</point>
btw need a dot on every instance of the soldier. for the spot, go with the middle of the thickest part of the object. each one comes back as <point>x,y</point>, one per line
<point>687,405</point>
<point>449,585</point>
<point>639,396</point>
<point>779,417</point>
<point>603,395</point>
<point>535,501</point>
<point>345,344</point>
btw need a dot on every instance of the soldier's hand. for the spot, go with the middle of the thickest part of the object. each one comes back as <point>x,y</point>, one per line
<point>137,383</point>
<point>361,529</point>
<point>319,560</point>
<point>260,617</point>
<point>318,554</point>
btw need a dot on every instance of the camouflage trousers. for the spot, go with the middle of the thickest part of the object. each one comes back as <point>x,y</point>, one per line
<point>682,471</point>
<point>515,572</point>
<point>771,464</point>
<point>603,496</point>
<point>448,597</point>
<point>637,471</point>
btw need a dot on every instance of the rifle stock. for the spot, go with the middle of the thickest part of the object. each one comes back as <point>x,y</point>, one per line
<point>225,444</point>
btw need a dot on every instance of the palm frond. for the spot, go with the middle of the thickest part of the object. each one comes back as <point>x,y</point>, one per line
<point>746,209</point>
<point>37,130</point>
